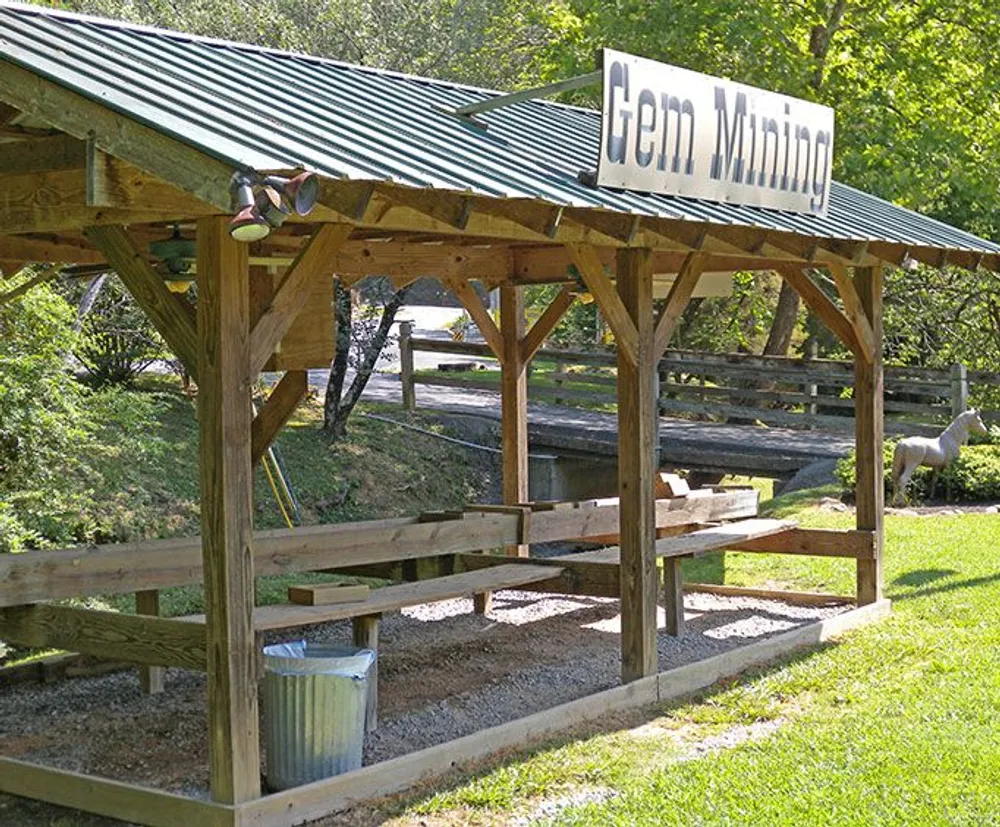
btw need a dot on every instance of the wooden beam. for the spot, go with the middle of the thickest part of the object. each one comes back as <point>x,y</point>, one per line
<point>171,315</point>
<point>677,301</point>
<point>277,410</point>
<point>49,248</point>
<point>58,200</point>
<point>114,799</point>
<point>313,262</point>
<point>821,304</point>
<point>59,152</point>
<point>546,323</point>
<point>480,315</point>
<point>868,416</point>
<point>854,310</point>
<point>135,638</point>
<point>125,568</point>
<point>148,149</point>
<point>226,510</point>
<point>636,469</point>
<point>27,286</point>
<point>591,270</point>
<point>815,542</point>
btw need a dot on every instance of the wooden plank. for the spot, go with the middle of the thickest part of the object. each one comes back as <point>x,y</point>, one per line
<point>637,441</point>
<point>323,594</point>
<point>546,323</point>
<point>151,678</point>
<point>149,149</point>
<point>588,263</point>
<point>480,315</point>
<point>171,316</point>
<point>114,799</point>
<point>277,410</point>
<point>393,598</point>
<point>156,564</point>
<point>795,598</point>
<point>868,393</point>
<point>815,542</point>
<point>364,634</point>
<point>323,798</point>
<point>311,264</point>
<point>227,511</point>
<point>149,640</point>
<point>310,341</point>
<point>575,577</point>
<point>700,542</point>
<point>854,309</point>
<point>677,301</point>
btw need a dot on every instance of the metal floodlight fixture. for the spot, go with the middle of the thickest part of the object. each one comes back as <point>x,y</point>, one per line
<point>248,225</point>
<point>270,206</point>
<point>299,192</point>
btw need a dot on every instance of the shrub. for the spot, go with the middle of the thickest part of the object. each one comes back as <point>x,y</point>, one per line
<point>973,477</point>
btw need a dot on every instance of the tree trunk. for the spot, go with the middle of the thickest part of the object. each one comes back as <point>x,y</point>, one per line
<point>87,302</point>
<point>369,360</point>
<point>338,370</point>
<point>783,324</point>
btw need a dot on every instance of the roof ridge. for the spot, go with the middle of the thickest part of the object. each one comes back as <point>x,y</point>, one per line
<point>174,34</point>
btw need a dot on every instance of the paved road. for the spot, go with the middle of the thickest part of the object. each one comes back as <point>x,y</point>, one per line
<point>708,446</point>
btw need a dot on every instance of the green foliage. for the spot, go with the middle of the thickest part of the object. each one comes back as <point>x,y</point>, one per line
<point>118,341</point>
<point>973,477</point>
<point>42,422</point>
<point>580,327</point>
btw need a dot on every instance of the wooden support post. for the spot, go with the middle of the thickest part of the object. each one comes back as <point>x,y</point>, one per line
<point>225,376</point>
<point>636,469</point>
<point>150,677</point>
<point>868,387</point>
<point>406,365</point>
<point>673,595</point>
<point>514,414</point>
<point>364,631</point>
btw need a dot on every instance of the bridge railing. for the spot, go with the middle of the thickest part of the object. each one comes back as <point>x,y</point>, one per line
<point>773,390</point>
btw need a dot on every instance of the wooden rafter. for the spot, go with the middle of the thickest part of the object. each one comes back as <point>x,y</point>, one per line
<point>591,270</point>
<point>313,262</point>
<point>172,316</point>
<point>152,151</point>
<point>821,305</point>
<point>677,300</point>
<point>480,315</point>
<point>854,310</point>
<point>43,155</point>
<point>545,324</point>
<point>277,410</point>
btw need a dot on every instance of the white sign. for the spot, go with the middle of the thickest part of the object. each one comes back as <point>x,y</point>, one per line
<point>670,130</point>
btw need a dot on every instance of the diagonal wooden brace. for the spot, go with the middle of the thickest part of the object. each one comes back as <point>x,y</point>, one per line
<point>821,305</point>
<point>315,260</point>
<point>480,315</point>
<point>172,316</point>
<point>588,263</point>
<point>545,324</point>
<point>277,410</point>
<point>854,310</point>
<point>677,300</point>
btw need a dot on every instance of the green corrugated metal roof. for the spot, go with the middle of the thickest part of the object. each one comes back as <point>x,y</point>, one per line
<point>264,109</point>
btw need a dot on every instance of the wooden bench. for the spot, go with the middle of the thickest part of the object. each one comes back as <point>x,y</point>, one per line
<point>365,614</point>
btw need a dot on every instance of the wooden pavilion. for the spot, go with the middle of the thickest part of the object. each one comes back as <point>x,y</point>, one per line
<point>112,135</point>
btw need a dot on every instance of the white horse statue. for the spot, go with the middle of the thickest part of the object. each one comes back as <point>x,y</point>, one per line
<point>934,453</point>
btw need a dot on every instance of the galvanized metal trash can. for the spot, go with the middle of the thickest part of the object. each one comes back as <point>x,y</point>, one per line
<point>314,703</point>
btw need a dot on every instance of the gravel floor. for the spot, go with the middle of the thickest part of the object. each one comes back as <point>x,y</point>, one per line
<point>444,673</point>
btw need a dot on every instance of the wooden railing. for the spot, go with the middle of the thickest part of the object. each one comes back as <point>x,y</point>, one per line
<point>777,391</point>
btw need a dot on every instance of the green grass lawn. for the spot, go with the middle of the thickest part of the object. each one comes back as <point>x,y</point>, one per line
<point>897,723</point>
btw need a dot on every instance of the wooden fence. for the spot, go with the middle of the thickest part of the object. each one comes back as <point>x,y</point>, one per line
<point>777,391</point>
